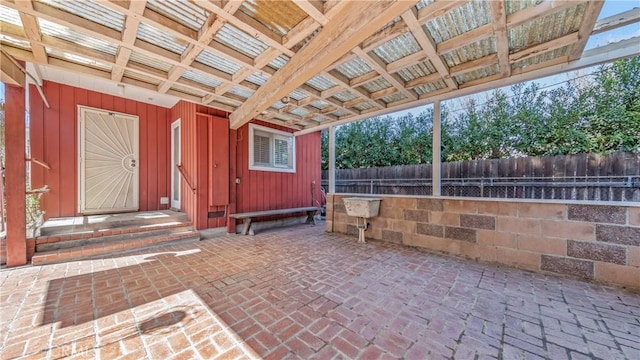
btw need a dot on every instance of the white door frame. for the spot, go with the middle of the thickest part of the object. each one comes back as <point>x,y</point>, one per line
<point>175,175</point>
<point>82,110</point>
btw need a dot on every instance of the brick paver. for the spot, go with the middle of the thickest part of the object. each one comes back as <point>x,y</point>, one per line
<point>301,293</point>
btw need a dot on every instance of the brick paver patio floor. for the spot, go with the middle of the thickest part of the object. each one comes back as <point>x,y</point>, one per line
<point>301,293</point>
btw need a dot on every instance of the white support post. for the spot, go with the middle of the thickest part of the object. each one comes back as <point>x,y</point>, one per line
<point>332,159</point>
<point>436,161</point>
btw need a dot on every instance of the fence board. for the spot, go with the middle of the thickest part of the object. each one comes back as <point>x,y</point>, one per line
<point>615,177</point>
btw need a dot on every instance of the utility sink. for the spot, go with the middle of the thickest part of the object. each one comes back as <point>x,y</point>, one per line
<point>362,208</point>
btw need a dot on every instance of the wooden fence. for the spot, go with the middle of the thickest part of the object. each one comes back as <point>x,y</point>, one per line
<point>614,177</point>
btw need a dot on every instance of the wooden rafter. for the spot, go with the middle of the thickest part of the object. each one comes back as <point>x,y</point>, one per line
<point>378,65</point>
<point>344,31</point>
<point>32,30</point>
<point>11,73</point>
<point>615,21</point>
<point>586,27</point>
<point>314,9</point>
<point>592,57</point>
<point>499,22</point>
<point>320,19</point>
<point>136,9</point>
<point>544,47</point>
<point>428,46</point>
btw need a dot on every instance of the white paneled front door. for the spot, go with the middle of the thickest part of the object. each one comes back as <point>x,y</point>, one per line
<point>108,164</point>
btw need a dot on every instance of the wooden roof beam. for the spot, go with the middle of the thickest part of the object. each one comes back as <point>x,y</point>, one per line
<point>465,39</point>
<point>229,13</point>
<point>618,20</point>
<point>32,30</point>
<point>476,64</point>
<point>314,9</point>
<point>10,72</point>
<point>586,27</point>
<point>592,57</point>
<point>499,22</point>
<point>205,36</point>
<point>136,9</point>
<point>544,47</point>
<point>344,82</point>
<point>364,78</point>
<point>379,66</point>
<point>345,30</point>
<point>428,47</point>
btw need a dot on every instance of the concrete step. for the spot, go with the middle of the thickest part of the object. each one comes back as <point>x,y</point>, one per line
<point>70,225</point>
<point>110,246</point>
<point>64,241</point>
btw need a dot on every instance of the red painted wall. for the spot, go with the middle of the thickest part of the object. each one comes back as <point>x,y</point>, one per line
<point>204,144</point>
<point>53,134</point>
<point>266,190</point>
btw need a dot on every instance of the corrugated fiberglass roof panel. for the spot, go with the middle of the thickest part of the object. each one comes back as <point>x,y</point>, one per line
<point>161,38</point>
<point>181,11</point>
<point>240,41</point>
<point>547,56</point>
<point>92,11</point>
<point>218,62</point>
<point>62,32</point>
<point>394,97</point>
<point>23,44</point>
<point>299,111</point>
<point>354,68</point>
<point>397,48</point>
<point>477,74</point>
<point>279,62</point>
<point>10,16</point>
<point>318,104</point>
<point>257,78</point>
<point>547,28</point>
<point>470,52</point>
<point>78,59</point>
<point>344,96</point>
<point>153,62</point>
<point>430,87</point>
<point>279,16</point>
<point>243,93</point>
<point>363,106</point>
<point>321,83</point>
<point>460,20</point>
<point>200,78</point>
<point>418,70</point>
<point>298,95</point>
<point>377,85</point>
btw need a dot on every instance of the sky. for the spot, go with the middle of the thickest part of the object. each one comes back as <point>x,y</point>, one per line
<point>610,7</point>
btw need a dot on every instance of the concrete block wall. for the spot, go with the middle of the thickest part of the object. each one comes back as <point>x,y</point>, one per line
<point>590,241</point>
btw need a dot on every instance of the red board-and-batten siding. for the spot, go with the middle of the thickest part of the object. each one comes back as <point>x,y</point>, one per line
<point>205,135</point>
<point>202,135</point>
<point>54,139</point>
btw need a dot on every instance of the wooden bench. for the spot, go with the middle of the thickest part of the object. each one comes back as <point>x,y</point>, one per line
<point>249,216</point>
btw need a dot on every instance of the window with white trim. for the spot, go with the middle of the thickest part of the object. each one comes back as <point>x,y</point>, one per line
<point>271,149</point>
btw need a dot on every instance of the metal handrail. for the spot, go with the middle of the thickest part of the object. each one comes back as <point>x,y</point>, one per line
<point>185,177</point>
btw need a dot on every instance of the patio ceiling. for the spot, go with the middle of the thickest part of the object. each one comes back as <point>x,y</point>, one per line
<point>302,63</point>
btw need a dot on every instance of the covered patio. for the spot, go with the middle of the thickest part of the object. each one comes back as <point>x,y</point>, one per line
<point>301,293</point>
<point>217,70</point>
